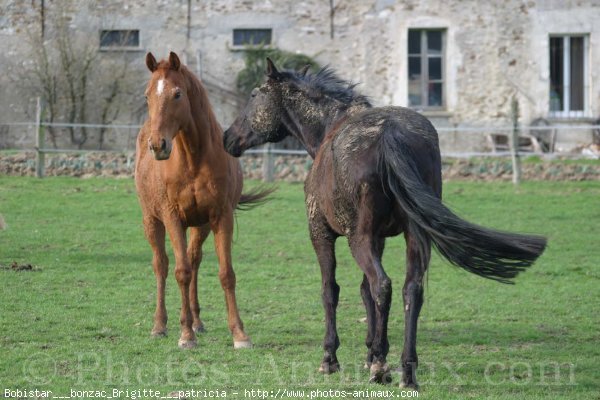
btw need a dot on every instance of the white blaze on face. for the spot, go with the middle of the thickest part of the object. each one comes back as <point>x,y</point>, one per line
<point>160,87</point>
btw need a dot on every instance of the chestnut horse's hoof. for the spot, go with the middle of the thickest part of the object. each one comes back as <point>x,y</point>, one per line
<point>242,344</point>
<point>158,333</point>
<point>329,367</point>
<point>187,344</point>
<point>380,373</point>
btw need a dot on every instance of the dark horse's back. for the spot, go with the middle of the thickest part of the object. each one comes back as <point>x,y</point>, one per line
<point>388,159</point>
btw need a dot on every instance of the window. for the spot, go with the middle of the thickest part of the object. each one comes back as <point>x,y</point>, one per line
<point>252,37</point>
<point>119,39</point>
<point>426,68</point>
<point>568,75</point>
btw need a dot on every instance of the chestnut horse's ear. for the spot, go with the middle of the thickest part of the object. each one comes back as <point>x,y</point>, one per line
<point>271,69</point>
<point>151,62</point>
<point>174,62</point>
<point>304,70</point>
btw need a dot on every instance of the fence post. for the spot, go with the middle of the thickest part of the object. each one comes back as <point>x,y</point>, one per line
<point>40,141</point>
<point>514,142</point>
<point>268,164</point>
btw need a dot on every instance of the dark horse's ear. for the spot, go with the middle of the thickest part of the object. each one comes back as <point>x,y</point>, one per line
<point>151,62</point>
<point>271,69</point>
<point>304,70</point>
<point>174,62</point>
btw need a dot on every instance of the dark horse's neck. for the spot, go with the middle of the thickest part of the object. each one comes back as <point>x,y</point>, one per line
<point>310,122</point>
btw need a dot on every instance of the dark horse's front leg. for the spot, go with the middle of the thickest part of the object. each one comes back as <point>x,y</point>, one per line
<point>324,244</point>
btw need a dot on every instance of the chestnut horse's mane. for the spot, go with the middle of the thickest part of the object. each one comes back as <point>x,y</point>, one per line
<point>198,98</point>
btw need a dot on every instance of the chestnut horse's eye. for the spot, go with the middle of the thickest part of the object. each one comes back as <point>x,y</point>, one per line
<point>177,95</point>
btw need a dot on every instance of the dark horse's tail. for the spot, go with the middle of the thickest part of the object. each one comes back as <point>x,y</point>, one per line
<point>254,197</point>
<point>488,253</point>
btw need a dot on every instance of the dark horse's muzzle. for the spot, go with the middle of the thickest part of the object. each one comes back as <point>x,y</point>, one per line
<point>231,143</point>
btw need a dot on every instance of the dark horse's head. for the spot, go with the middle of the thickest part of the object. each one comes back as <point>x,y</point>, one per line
<point>261,120</point>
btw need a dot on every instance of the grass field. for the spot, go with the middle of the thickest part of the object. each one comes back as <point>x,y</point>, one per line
<point>80,318</point>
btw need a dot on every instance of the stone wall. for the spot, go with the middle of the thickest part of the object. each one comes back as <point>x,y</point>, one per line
<point>494,50</point>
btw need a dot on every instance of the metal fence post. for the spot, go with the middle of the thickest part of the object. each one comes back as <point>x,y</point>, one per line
<point>40,140</point>
<point>268,164</point>
<point>514,142</point>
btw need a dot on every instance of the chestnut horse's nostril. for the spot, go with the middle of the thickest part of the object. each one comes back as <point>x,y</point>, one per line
<point>163,144</point>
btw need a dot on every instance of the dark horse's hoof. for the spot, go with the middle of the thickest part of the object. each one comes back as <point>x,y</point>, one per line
<point>380,373</point>
<point>199,328</point>
<point>329,367</point>
<point>409,385</point>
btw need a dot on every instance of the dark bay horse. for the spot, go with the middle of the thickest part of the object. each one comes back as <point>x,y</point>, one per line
<point>185,179</point>
<point>376,173</point>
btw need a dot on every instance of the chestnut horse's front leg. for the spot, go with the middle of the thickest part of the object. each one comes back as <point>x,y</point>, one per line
<point>223,230</point>
<point>183,274</point>
<point>155,233</point>
<point>194,251</point>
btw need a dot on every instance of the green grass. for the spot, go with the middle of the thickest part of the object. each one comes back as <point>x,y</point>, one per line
<point>81,318</point>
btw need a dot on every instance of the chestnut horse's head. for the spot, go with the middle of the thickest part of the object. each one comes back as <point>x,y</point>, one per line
<point>169,110</point>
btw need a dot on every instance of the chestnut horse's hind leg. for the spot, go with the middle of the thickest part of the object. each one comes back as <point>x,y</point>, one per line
<point>194,252</point>
<point>155,233</point>
<point>223,231</point>
<point>416,265</point>
<point>183,274</point>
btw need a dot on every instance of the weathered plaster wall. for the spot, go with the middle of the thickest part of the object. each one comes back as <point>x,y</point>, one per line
<point>494,50</point>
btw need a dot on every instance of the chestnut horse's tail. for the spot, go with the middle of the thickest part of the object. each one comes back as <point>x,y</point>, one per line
<point>488,253</point>
<point>254,197</point>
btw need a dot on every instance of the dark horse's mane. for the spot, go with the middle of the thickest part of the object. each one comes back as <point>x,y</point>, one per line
<point>327,83</point>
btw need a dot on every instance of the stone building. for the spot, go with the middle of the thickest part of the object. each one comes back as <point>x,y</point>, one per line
<point>459,62</point>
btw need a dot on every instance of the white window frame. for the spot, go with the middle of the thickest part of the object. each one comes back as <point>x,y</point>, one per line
<point>242,47</point>
<point>425,70</point>
<point>121,48</point>
<point>566,112</point>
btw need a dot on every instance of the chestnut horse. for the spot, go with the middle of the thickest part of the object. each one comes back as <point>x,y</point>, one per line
<point>376,173</point>
<point>185,179</point>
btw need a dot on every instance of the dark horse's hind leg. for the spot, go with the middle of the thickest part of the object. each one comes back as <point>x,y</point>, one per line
<point>416,265</point>
<point>365,250</point>
<point>324,244</point>
<point>365,292</point>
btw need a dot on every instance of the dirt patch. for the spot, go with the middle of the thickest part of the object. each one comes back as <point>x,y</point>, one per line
<point>15,266</point>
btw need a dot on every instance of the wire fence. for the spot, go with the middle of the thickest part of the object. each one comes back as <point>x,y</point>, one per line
<point>498,140</point>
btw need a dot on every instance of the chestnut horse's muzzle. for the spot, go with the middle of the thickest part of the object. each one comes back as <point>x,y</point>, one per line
<point>161,149</point>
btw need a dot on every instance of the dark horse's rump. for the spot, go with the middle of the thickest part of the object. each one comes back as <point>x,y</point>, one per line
<point>377,173</point>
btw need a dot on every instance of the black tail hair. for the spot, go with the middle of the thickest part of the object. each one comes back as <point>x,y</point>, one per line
<point>485,252</point>
<point>255,197</point>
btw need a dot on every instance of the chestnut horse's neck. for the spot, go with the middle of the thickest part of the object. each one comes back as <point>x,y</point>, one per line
<point>203,135</point>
